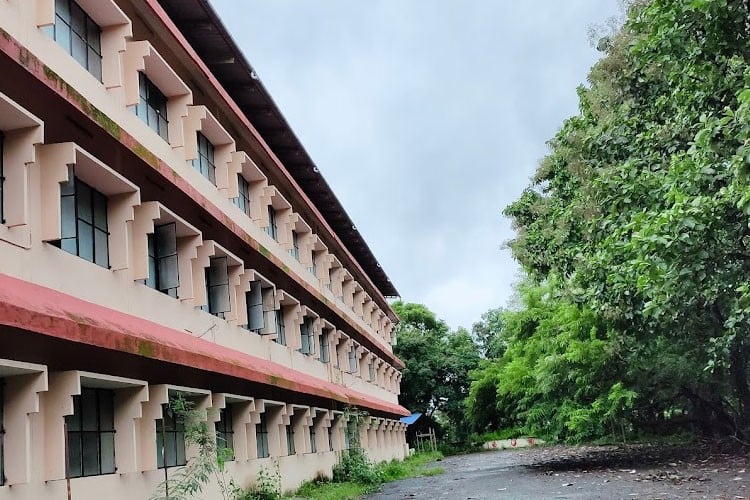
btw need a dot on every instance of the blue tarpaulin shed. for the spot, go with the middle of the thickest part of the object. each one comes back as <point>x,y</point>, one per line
<point>411,418</point>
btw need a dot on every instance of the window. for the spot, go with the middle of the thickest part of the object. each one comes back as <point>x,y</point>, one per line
<point>295,245</point>
<point>280,329</point>
<point>325,356</point>
<point>261,437</point>
<point>79,35</point>
<point>271,229</point>
<point>2,181</point>
<point>84,221</point>
<point>152,107</point>
<point>353,360</point>
<point>91,434</point>
<point>163,271</point>
<point>330,438</point>
<point>306,336</point>
<point>371,367</point>
<point>2,435</point>
<point>243,198</point>
<point>313,444</point>
<point>217,287</point>
<point>254,300</point>
<point>290,450</point>
<point>352,439</point>
<point>225,430</point>
<point>204,163</point>
<point>170,440</point>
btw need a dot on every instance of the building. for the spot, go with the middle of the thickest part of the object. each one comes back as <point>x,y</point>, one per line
<point>164,233</point>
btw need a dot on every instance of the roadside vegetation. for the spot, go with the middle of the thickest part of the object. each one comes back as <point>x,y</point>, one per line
<point>634,315</point>
<point>632,318</point>
<point>355,475</point>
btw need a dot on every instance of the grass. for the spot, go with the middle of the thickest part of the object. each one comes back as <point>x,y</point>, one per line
<point>321,490</point>
<point>395,470</point>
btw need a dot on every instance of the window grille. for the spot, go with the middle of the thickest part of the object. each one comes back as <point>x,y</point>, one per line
<point>243,195</point>
<point>84,229</point>
<point>204,163</point>
<point>78,35</point>
<point>152,107</point>
<point>261,437</point>
<point>170,440</point>
<point>225,430</point>
<point>217,287</point>
<point>163,268</point>
<point>91,434</point>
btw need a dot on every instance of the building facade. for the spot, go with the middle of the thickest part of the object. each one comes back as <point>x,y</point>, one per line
<point>164,234</point>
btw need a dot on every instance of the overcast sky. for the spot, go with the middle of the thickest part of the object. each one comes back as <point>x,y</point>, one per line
<point>427,118</point>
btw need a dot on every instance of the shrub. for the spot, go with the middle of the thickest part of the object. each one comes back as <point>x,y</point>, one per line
<point>356,467</point>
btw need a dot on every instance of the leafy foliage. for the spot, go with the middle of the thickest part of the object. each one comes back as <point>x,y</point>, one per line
<point>487,332</point>
<point>438,361</point>
<point>209,462</point>
<point>635,232</point>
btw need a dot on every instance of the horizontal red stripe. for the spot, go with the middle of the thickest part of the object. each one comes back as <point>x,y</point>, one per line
<point>45,311</point>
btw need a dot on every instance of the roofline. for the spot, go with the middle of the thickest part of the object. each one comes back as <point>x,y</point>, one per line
<point>345,232</point>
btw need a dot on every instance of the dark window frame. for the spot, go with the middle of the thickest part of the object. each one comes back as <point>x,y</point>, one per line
<point>225,430</point>
<point>170,425</point>
<point>2,181</point>
<point>330,437</point>
<point>81,28</point>
<point>261,437</point>
<point>291,449</point>
<point>294,251</point>
<point>256,288</point>
<point>353,361</point>
<point>205,161</point>
<point>212,307</point>
<point>280,327</point>
<point>76,190</point>
<point>152,106</point>
<point>78,438</point>
<point>307,336</point>
<point>313,437</point>
<point>325,348</point>
<point>158,261</point>
<point>2,432</point>
<point>242,201</point>
<point>271,229</point>
<point>350,433</point>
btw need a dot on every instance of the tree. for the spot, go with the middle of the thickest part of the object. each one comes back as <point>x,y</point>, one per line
<point>487,332</point>
<point>640,211</point>
<point>438,361</point>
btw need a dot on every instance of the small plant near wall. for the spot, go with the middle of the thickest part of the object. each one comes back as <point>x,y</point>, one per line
<point>209,462</point>
<point>355,466</point>
<point>266,487</point>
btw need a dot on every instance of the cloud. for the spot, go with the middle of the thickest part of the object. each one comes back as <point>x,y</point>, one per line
<point>427,118</point>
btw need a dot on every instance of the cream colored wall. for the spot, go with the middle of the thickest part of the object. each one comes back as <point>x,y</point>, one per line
<point>21,18</point>
<point>56,269</point>
<point>37,401</point>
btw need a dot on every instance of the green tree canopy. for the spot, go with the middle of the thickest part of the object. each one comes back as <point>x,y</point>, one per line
<point>438,361</point>
<point>638,219</point>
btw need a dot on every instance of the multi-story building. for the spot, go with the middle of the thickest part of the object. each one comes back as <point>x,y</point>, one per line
<point>164,233</point>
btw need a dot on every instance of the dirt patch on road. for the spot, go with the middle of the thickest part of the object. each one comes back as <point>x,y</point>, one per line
<point>587,472</point>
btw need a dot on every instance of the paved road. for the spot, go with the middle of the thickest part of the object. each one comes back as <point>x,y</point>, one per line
<point>517,474</point>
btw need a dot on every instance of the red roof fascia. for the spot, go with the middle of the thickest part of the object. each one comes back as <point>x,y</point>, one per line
<point>45,311</point>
